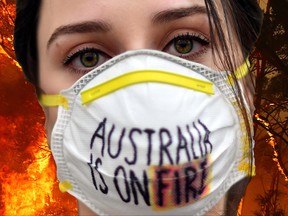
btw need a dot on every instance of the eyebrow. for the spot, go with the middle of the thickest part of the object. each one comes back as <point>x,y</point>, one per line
<point>82,27</point>
<point>174,14</point>
<point>101,26</point>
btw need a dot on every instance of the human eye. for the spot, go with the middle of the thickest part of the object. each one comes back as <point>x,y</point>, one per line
<point>188,45</point>
<point>85,60</point>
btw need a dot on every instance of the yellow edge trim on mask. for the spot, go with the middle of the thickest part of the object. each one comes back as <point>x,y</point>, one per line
<point>145,76</point>
<point>53,100</point>
<point>240,72</point>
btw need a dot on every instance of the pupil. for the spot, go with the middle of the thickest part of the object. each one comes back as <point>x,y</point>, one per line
<point>89,59</point>
<point>183,46</point>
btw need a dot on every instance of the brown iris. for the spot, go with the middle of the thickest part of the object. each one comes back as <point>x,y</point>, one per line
<point>183,46</point>
<point>89,59</point>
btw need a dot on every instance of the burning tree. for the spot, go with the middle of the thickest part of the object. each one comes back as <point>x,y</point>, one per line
<point>270,64</point>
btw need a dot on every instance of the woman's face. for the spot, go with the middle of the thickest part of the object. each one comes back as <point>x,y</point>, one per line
<point>76,36</point>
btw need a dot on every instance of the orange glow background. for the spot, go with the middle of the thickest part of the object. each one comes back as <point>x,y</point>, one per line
<point>28,184</point>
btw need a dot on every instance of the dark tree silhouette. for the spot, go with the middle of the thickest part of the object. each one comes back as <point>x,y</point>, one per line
<point>270,64</point>
<point>270,60</point>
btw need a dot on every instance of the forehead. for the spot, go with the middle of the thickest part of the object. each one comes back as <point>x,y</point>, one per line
<point>108,8</point>
<point>55,13</point>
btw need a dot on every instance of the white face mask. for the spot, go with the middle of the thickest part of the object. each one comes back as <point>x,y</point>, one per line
<point>148,133</point>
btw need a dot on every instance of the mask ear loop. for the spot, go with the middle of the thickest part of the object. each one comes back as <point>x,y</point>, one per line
<point>240,72</point>
<point>53,100</point>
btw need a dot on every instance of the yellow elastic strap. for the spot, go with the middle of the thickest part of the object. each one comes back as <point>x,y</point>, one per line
<point>53,100</point>
<point>65,186</point>
<point>240,72</point>
<point>145,76</point>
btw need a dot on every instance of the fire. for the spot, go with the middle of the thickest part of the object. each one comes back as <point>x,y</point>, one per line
<point>29,186</point>
<point>240,207</point>
<point>34,191</point>
<point>272,141</point>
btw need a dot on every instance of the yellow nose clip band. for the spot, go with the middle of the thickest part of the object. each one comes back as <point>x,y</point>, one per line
<point>144,76</point>
<point>135,77</point>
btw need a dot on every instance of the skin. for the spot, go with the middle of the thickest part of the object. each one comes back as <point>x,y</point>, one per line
<point>125,25</point>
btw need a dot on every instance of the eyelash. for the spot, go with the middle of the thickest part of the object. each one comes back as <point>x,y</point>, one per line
<point>198,38</point>
<point>72,56</point>
<point>69,58</point>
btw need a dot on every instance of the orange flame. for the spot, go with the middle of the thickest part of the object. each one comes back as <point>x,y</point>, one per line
<point>34,191</point>
<point>33,187</point>
<point>28,184</point>
<point>272,141</point>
